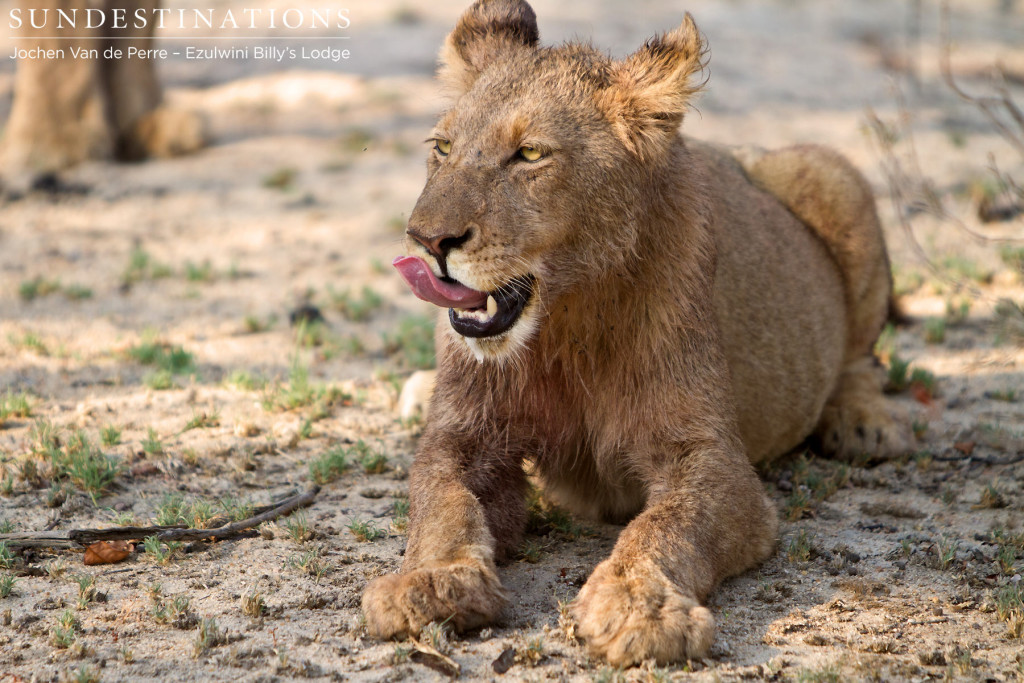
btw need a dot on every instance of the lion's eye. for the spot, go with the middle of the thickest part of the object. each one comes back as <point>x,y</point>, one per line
<point>530,153</point>
<point>443,147</point>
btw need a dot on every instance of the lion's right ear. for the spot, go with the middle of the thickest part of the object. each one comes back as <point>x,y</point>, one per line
<point>488,30</point>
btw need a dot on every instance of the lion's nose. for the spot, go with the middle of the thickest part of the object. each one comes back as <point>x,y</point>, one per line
<point>441,244</point>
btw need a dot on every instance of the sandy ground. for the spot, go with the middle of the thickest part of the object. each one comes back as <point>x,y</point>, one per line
<point>889,571</point>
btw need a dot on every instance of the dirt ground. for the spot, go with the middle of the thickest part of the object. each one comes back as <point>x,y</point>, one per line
<point>147,308</point>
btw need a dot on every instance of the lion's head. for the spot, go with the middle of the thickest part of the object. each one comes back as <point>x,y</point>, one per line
<point>538,169</point>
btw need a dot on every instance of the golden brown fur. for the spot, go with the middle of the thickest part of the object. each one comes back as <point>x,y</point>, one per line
<point>683,323</point>
<point>70,110</point>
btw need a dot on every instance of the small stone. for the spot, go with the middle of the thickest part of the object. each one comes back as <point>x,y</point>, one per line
<point>504,661</point>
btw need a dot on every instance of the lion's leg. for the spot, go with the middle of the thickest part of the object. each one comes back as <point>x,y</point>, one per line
<point>58,117</point>
<point>72,108</point>
<point>712,521</point>
<point>143,126</point>
<point>827,194</point>
<point>466,514</point>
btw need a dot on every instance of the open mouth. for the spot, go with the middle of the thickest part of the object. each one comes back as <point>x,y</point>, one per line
<point>500,312</point>
<point>471,313</point>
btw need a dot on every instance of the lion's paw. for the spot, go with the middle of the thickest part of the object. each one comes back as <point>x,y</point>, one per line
<point>628,613</point>
<point>870,429</point>
<point>465,596</point>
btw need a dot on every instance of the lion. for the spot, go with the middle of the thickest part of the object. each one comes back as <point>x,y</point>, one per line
<point>70,109</point>
<point>632,318</point>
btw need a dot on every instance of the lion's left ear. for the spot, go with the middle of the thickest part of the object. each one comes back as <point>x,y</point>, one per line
<point>650,90</point>
<point>487,31</point>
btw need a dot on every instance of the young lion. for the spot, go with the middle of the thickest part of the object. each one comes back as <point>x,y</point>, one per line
<point>637,316</point>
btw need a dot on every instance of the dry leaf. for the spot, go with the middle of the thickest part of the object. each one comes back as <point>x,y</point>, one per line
<point>108,552</point>
<point>965,447</point>
<point>921,393</point>
<point>427,656</point>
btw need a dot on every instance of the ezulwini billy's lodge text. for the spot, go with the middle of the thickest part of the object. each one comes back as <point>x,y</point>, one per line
<point>258,52</point>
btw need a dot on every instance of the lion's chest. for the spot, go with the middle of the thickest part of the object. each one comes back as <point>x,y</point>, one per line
<point>580,467</point>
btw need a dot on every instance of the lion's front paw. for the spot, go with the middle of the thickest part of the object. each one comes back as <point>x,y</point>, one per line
<point>628,613</point>
<point>464,595</point>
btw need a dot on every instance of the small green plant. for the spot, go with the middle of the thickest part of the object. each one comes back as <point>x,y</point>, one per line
<point>65,632</point>
<point>159,380</point>
<point>1013,257</point>
<point>298,528</point>
<point>245,380</point>
<point>935,330</point>
<point>827,673</point>
<point>110,435</point>
<point>56,568</point>
<point>201,513</point>
<point>30,290</point>
<point>412,343</point>
<point>162,552</point>
<point>897,375</point>
<point>235,508</point>
<point>797,503</point>
<point>923,378</point>
<point>86,590</point>
<point>947,551</point>
<point>310,563</point>
<point>1006,557</point>
<point>86,674</point>
<point>544,518</point>
<point>6,585</point>
<point>29,341</point>
<point>1005,395</point>
<point>300,392</point>
<point>962,268</point>
<point>57,494</point>
<point>281,179</point>
<point>436,636</point>
<point>77,292</point>
<point>14,405</point>
<point>530,552</point>
<point>372,461</point>
<point>199,272</point>
<point>167,359</point>
<point>365,531</point>
<point>253,604</point>
<point>400,514</point>
<point>6,526</point>
<point>254,324</point>
<point>957,310</point>
<point>203,420</point>
<point>799,548</point>
<point>356,308</point>
<point>77,459</point>
<point>991,498</point>
<point>171,510</point>
<point>208,636</point>
<point>329,466</point>
<point>152,443</point>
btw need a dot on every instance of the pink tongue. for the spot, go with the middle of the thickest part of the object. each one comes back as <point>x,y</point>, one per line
<point>426,286</point>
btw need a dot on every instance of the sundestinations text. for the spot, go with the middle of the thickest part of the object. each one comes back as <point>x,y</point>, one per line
<point>192,18</point>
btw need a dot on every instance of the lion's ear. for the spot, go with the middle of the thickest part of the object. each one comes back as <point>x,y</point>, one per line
<point>650,90</point>
<point>488,30</point>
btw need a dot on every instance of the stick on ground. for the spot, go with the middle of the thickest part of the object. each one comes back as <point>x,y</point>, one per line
<point>79,538</point>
